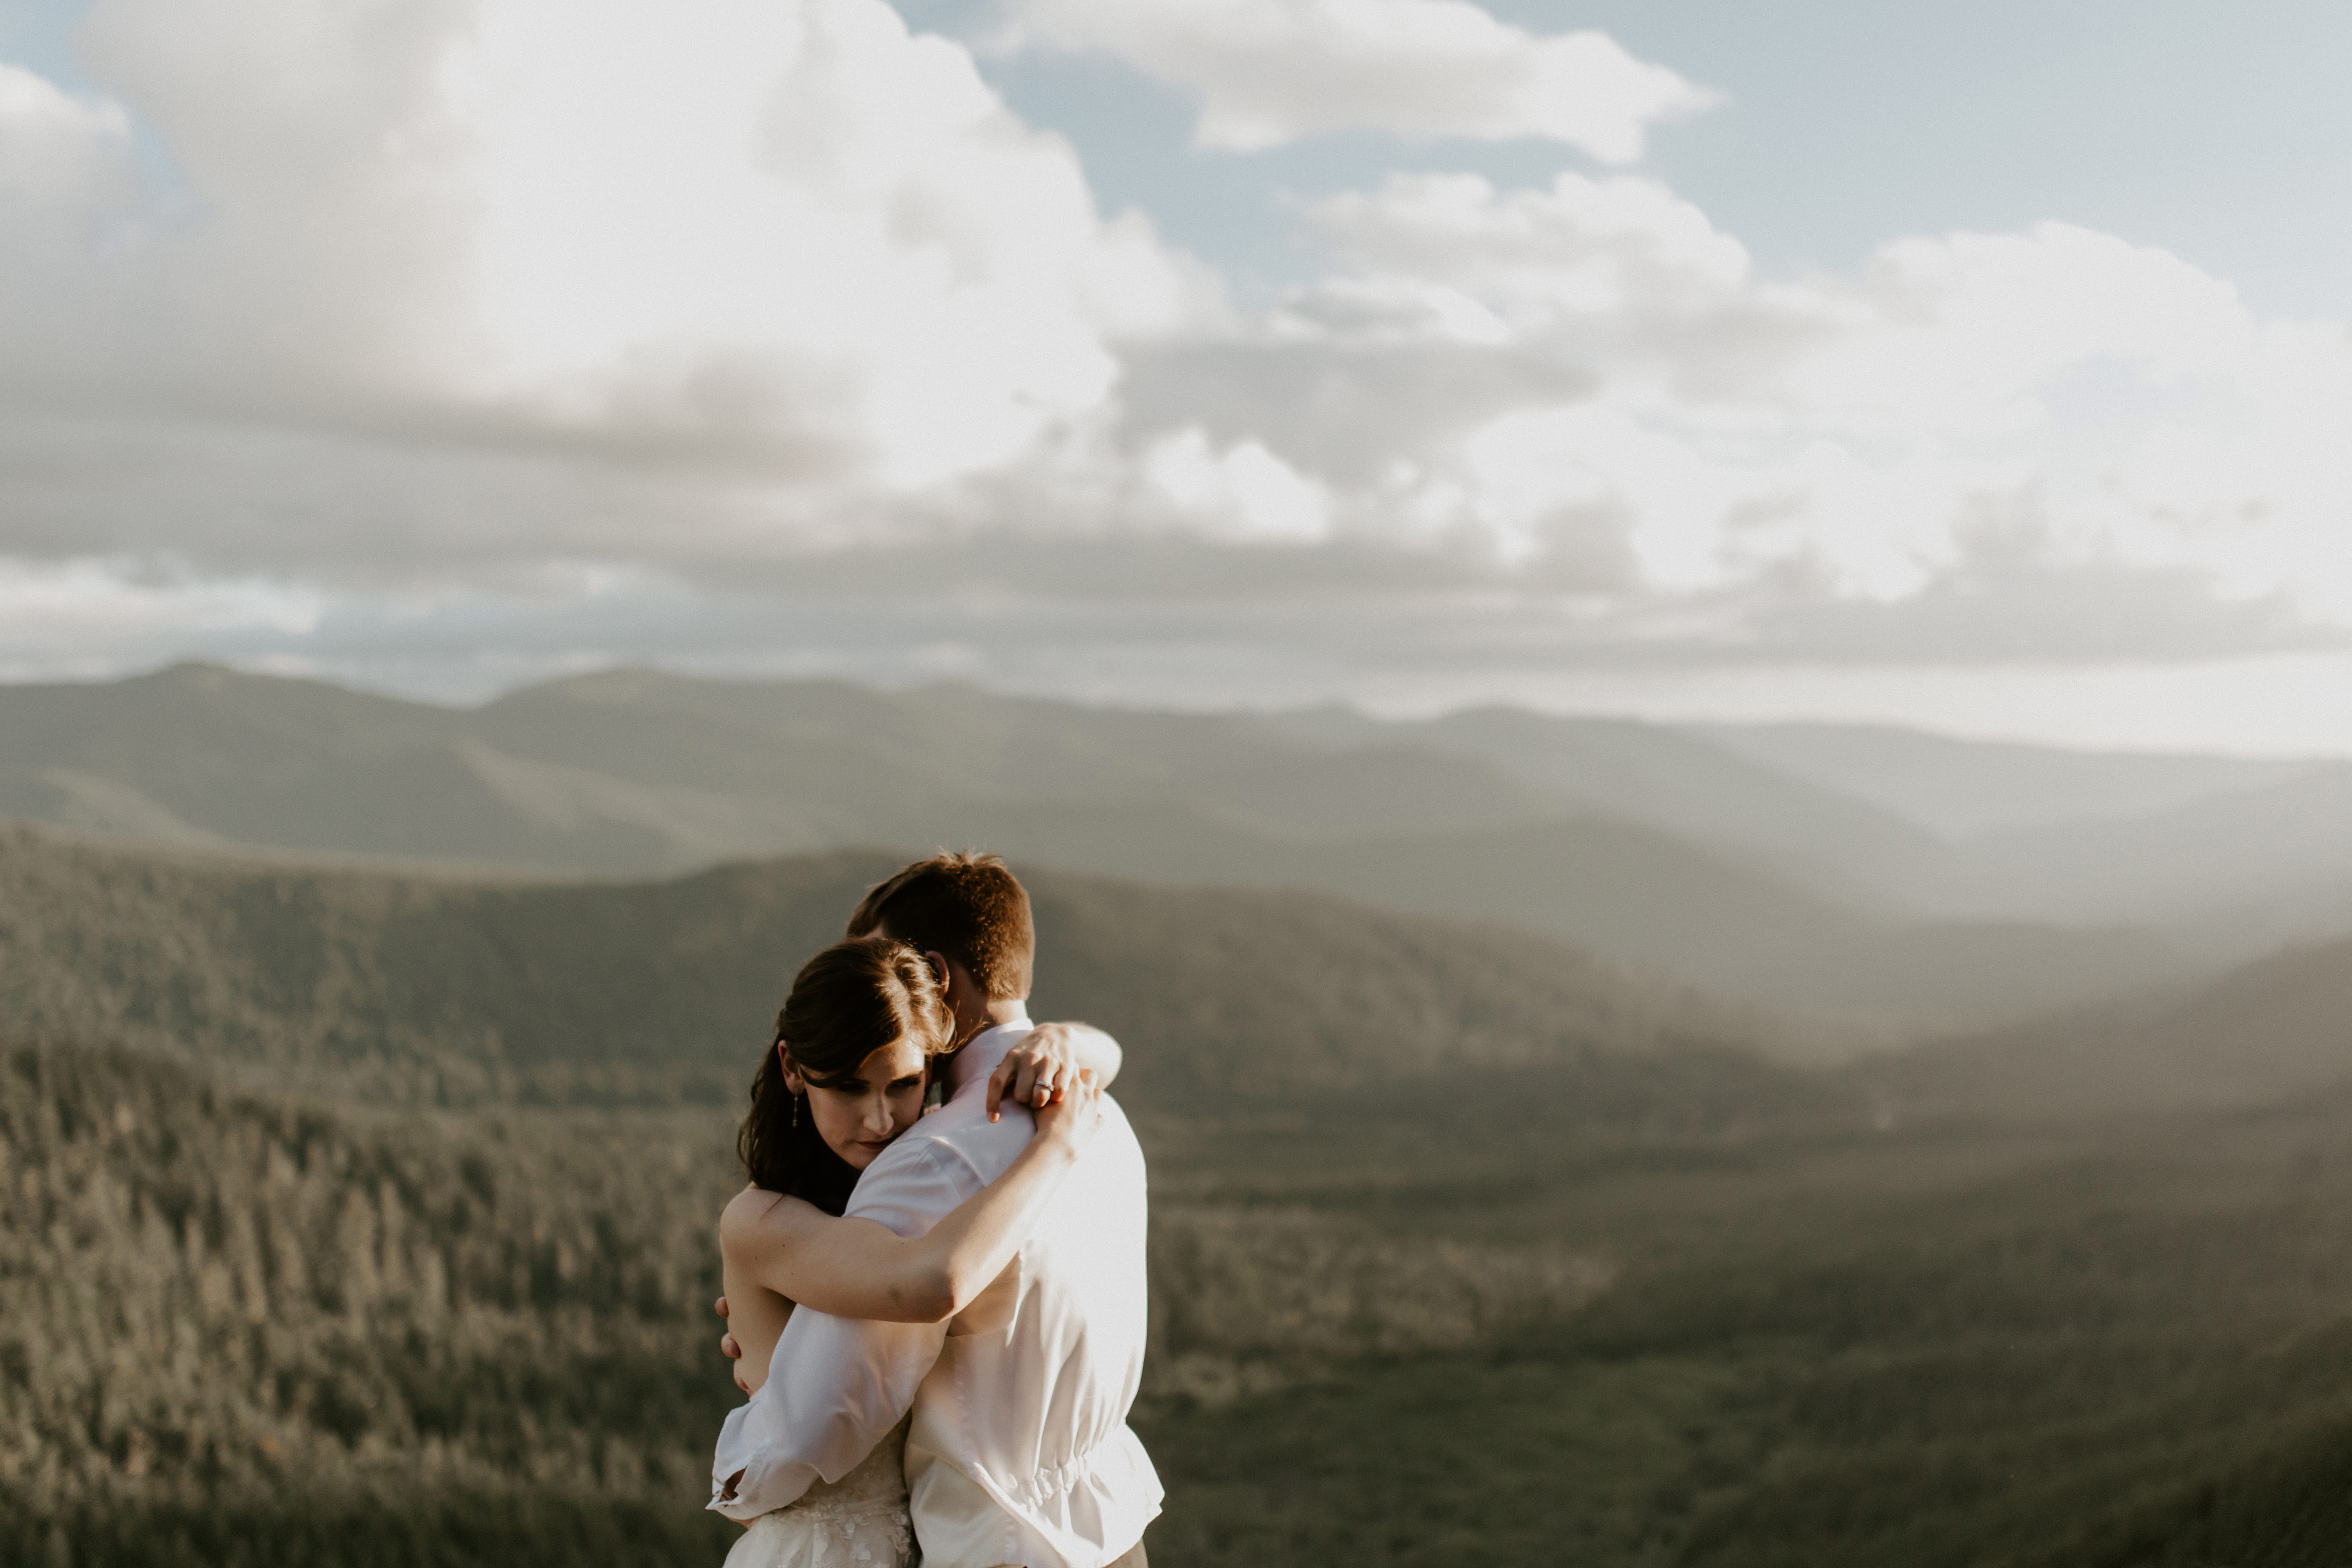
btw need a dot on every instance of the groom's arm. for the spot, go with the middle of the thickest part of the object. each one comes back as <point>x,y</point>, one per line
<point>836,1385</point>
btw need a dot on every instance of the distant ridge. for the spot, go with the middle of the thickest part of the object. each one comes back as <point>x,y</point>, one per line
<point>1966,788</point>
<point>2271,1030</point>
<point>2229,856</point>
<point>411,989</point>
<point>1651,848</point>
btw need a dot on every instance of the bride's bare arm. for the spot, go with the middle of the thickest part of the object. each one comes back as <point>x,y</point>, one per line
<point>857,1268</point>
<point>755,1316</point>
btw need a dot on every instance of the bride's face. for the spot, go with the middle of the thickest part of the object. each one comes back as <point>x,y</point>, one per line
<point>858,1115</point>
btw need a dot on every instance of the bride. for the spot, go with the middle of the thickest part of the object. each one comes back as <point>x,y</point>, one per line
<point>847,1074</point>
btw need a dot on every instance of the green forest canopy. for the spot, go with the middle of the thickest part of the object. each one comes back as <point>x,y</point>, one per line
<point>1463,1246</point>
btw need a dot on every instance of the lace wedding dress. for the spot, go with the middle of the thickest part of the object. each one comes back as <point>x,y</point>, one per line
<point>859,1521</point>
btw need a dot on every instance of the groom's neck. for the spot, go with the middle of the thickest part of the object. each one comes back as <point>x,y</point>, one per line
<point>998,1013</point>
<point>994,1013</point>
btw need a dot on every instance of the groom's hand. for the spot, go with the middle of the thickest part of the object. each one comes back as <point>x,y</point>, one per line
<point>728,1347</point>
<point>1037,1069</point>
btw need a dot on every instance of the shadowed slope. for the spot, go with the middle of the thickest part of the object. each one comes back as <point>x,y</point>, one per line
<point>454,990</point>
<point>2277,1027</point>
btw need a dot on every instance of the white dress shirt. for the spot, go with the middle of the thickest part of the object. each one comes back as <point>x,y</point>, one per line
<point>1020,1451</point>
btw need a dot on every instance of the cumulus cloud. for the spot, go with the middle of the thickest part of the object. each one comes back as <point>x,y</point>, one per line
<point>1689,429</point>
<point>785,244</point>
<point>65,171</point>
<point>1264,499</point>
<point>531,301</point>
<point>1271,72</point>
<point>56,148</point>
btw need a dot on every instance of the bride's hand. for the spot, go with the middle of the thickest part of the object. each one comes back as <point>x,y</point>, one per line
<point>1036,1069</point>
<point>1075,1114</point>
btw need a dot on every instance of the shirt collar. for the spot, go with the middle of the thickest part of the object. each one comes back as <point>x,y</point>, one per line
<point>979,1059</point>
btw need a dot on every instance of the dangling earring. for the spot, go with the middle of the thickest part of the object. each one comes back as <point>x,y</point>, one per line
<point>796,1111</point>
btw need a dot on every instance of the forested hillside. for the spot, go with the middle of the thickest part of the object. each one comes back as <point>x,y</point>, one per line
<point>447,991</point>
<point>1426,1328</point>
<point>1658,851</point>
<point>2265,1032</point>
<point>358,1219</point>
<point>235,1330</point>
<point>239,1329</point>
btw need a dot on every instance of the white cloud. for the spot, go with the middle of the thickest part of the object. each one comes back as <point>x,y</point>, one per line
<point>1271,72</point>
<point>742,241</point>
<point>66,173</point>
<point>2097,405</point>
<point>57,616</point>
<point>810,221</point>
<point>56,148</point>
<point>1615,254</point>
<point>1244,493</point>
<point>698,293</point>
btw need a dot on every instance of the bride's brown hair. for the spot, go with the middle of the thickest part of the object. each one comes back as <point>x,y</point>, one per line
<point>848,1002</point>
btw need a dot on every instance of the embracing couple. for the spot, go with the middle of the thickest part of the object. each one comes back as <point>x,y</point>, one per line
<point>939,1317</point>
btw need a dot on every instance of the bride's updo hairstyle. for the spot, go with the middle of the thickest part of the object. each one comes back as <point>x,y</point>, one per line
<point>848,1002</point>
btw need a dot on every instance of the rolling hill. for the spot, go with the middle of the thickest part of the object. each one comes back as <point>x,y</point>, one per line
<point>2228,857</point>
<point>415,989</point>
<point>2269,1031</point>
<point>1686,786</point>
<point>2235,872</point>
<point>1964,789</point>
<point>1627,1285</point>
<point>1651,849</point>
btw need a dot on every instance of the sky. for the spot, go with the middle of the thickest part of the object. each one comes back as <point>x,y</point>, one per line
<point>1984,368</point>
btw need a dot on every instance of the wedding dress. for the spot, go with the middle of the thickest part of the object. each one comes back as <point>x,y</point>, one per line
<point>859,1521</point>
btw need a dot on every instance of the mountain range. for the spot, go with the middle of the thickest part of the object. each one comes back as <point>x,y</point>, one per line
<point>409,1245</point>
<point>1749,865</point>
<point>409,988</point>
<point>2269,1031</point>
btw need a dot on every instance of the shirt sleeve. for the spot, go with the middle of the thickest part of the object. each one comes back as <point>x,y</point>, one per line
<point>836,1385</point>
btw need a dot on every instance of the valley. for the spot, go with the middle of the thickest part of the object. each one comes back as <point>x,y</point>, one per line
<point>359,1216</point>
<point>1675,854</point>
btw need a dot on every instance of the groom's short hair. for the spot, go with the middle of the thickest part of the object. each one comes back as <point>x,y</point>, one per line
<point>967,906</point>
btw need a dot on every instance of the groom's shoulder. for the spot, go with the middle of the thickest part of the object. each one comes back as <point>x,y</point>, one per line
<point>913,1184</point>
<point>961,1129</point>
<point>956,1143</point>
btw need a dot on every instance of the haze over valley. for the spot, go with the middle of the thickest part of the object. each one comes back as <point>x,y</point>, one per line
<point>391,1151</point>
<point>1877,882</point>
<point>1662,1108</point>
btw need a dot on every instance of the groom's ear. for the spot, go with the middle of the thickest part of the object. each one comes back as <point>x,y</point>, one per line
<point>939,971</point>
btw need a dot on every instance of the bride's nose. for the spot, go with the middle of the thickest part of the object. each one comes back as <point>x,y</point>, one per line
<point>876,1113</point>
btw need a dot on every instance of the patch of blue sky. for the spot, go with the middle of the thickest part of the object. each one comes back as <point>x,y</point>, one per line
<point>1242,211</point>
<point>39,36</point>
<point>2220,134</point>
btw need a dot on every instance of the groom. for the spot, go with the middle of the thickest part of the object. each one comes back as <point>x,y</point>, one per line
<point>1019,1453</point>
